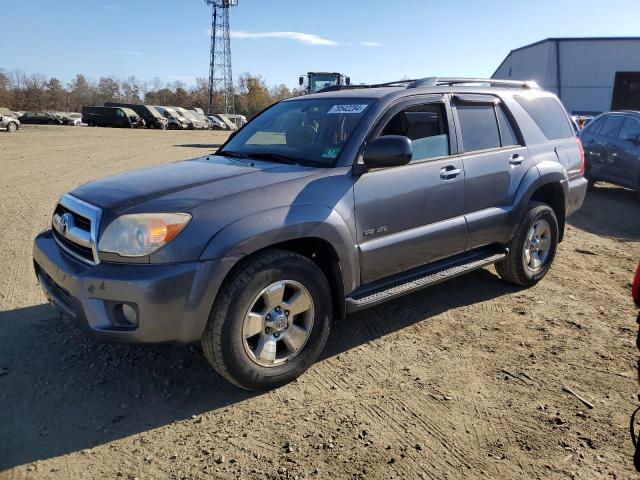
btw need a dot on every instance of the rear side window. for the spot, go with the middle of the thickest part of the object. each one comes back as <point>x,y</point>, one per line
<point>548,114</point>
<point>507,134</point>
<point>612,126</point>
<point>479,127</point>
<point>630,130</point>
<point>594,125</point>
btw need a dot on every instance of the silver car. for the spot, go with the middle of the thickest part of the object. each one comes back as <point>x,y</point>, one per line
<point>10,124</point>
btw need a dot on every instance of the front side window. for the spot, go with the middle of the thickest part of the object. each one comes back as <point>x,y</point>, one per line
<point>306,131</point>
<point>630,130</point>
<point>479,127</point>
<point>426,127</point>
<point>548,115</point>
<point>612,126</point>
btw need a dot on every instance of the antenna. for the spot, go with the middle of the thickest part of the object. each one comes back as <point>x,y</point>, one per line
<point>220,77</point>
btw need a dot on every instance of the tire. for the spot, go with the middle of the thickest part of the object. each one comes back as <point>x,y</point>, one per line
<point>515,268</point>
<point>225,341</point>
<point>12,127</point>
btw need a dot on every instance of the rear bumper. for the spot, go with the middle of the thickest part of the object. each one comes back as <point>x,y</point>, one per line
<point>172,302</point>
<point>577,189</point>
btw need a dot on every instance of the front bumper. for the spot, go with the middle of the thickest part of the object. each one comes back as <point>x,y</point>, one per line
<point>172,301</point>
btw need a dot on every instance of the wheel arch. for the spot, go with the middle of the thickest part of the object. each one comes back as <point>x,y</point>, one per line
<point>316,232</point>
<point>546,183</point>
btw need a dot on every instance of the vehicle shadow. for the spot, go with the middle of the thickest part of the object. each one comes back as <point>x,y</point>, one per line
<point>61,392</point>
<point>609,211</point>
<point>200,145</point>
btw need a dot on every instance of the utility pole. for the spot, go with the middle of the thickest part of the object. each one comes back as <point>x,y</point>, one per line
<point>220,76</point>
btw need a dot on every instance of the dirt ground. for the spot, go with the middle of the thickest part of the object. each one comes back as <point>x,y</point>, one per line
<point>463,380</point>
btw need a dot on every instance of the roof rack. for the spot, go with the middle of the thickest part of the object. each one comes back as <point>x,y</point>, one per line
<point>439,81</point>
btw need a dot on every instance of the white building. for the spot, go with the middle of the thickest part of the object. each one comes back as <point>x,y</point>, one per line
<point>590,75</point>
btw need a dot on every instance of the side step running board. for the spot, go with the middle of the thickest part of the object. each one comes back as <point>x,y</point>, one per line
<point>421,280</point>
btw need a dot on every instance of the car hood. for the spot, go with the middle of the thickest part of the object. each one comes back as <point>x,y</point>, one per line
<point>181,185</point>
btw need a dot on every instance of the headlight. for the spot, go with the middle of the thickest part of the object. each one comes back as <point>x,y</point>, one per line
<point>140,234</point>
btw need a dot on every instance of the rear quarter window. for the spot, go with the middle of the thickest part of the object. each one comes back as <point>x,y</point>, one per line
<point>548,115</point>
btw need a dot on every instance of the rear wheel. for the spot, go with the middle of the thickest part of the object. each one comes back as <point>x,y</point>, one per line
<point>533,247</point>
<point>270,321</point>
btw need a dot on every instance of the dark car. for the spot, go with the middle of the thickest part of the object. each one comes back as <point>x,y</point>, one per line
<point>41,118</point>
<point>611,143</point>
<point>152,117</point>
<point>111,117</point>
<point>321,205</point>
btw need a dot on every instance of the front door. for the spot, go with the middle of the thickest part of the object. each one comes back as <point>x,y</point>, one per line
<point>411,215</point>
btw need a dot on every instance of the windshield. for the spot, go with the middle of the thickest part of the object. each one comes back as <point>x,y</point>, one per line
<point>318,82</point>
<point>309,131</point>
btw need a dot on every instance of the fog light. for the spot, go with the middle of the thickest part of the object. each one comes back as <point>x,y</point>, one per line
<point>125,315</point>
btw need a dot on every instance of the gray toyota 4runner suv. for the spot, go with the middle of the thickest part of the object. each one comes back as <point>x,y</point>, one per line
<point>321,205</point>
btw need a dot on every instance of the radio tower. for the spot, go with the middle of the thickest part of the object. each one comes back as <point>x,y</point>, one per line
<point>220,78</point>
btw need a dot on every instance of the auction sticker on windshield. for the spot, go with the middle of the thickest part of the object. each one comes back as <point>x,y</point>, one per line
<point>347,109</point>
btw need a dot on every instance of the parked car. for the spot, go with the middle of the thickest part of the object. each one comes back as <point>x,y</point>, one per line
<point>70,118</point>
<point>9,123</point>
<point>321,205</point>
<point>40,118</point>
<point>194,122</point>
<point>176,121</point>
<point>230,125</point>
<point>612,149</point>
<point>111,117</point>
<point>151,116</point>
<point>239,120</point>
<point>217,124</point>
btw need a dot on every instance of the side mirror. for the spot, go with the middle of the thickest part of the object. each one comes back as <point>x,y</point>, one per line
<point>347,81</point>
<point>300,80</point>
<point>388,151</point>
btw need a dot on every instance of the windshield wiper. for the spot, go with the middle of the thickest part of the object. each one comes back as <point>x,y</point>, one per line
<point>274,157</point>
<point>229,153</point>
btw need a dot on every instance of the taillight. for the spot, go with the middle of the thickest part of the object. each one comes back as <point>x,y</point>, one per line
<point>581,156</point>
<point>635,287</point>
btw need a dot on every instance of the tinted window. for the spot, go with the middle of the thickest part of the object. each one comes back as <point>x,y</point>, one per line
<point>479,127</point>
<point>594,126</point>
<point>426,127</point>
<point>630,129</point>
<point>612,126</point>
<point>548,115</point>
<point>507,134</point>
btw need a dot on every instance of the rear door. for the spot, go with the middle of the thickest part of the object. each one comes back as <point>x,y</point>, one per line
<point>495,161</point>
<point>411,215</point>
<point>608,136</point>
<point>627,160</point>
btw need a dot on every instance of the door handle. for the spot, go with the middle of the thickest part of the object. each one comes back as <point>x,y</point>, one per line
<point>516,159</point>
<point>449,172</point>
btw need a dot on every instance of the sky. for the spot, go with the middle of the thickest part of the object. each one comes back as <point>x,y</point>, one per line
<point>372,41</point>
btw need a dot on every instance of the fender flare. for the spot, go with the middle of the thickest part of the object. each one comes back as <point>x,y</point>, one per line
<point>270,227</point>
<point>544,173</point>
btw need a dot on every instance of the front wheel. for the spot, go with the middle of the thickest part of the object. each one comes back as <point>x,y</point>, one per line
<point>12,127</point>
<point>270,321</point>
<point>533,247</point>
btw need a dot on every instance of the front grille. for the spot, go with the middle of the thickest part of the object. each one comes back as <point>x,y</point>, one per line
<point>81,221</point>
<point>74,248</point>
